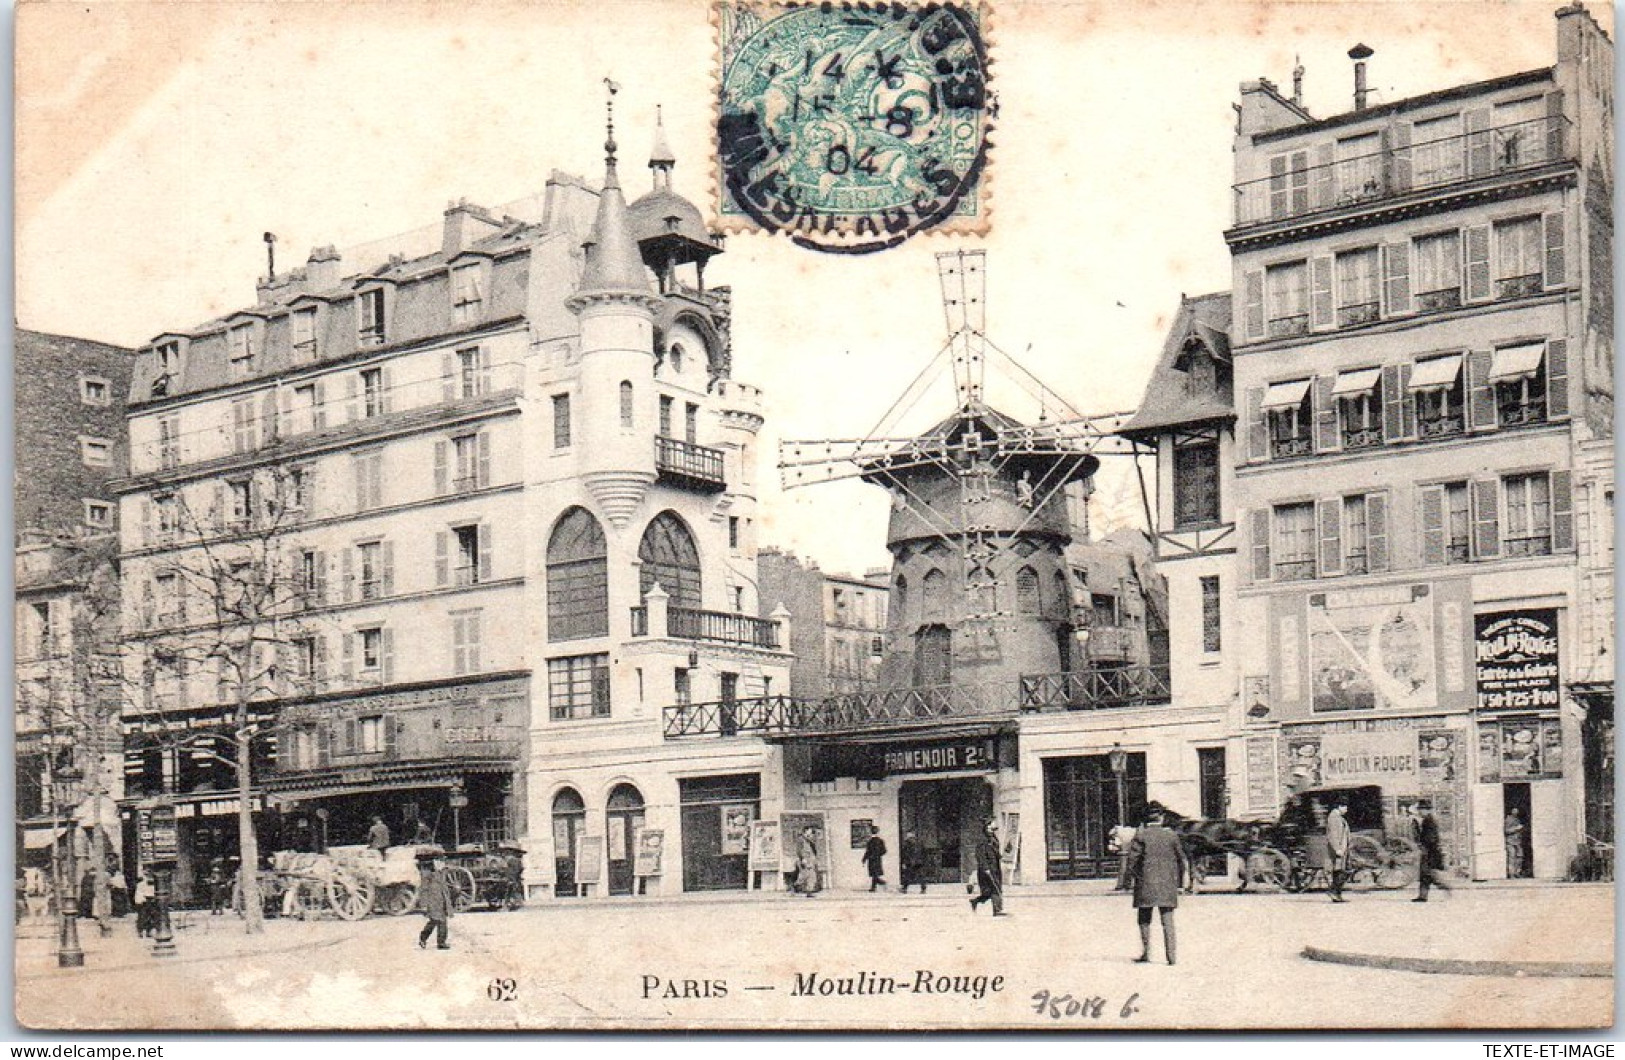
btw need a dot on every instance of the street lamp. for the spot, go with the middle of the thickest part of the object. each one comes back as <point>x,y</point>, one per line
<point>68,954</point>
<point>1117,758</point>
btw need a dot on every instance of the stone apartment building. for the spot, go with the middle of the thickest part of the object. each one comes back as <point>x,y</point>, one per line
<point>503,478</point>
<point>1389,448</point>
<point>840,627</point>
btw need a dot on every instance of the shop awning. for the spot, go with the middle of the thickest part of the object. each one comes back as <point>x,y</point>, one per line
<point>1437,373</point>
<point>1517,362</point>
<point>40,838</point>
<point>1286,395</point>
<point>1359,381</point>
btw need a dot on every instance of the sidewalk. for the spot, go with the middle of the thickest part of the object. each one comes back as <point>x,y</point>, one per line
<point>198,937</point>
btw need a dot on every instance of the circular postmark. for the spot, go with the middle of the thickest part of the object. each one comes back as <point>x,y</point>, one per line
<point>852,126</point>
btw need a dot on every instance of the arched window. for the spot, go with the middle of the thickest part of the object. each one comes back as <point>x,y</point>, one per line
<point>577,578</point>
<point>670,558</point>
<point>1027,601</point>
<point>569,822</point>
<point>935,602</point>
<point>626,404</point>
<point>898,605</point>
<point>677,358</point>
<point>933,656</point>
<point>625,798</point>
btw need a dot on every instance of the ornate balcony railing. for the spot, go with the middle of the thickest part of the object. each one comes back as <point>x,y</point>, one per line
<point>689,465</point>
<point>1297,191</point>
<point>1133,686</point>
<point>731,717</point>
<point>723,627</point>
<point>1280,448</point>
<point>1111,643</point>
<point>1520,413</point>
<point>1441,426</point>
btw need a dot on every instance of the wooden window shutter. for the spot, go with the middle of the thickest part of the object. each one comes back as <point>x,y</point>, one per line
<point>1325,413</point>
<point>349,736</point>
<point>1557,379</point>
<point>324,744</point>
<point>482,474</point>
<point>1244,561</point>
<point>442,558</point>
<point>1555,126</point>
<point>268,416</point>
<point>458,643</point>
<point>1376,532</point>
<point>1562,511</point>
<point>347,574</point>
<point>1480,152</point>
<point>1325,170</point>
<point>448,377</point>
<point>442,474</point>
<point>1253,308</point>
<point>1396,283</point>
<point>352,397</point>
<point>1321,310</point>
<point>1280,200</point>
<point>1300,182</point>
<point>284,416</point>
<point>386,383</point>
<point>484,532</point>
<point>1556,270</point>
<point>1260,534</point>
<point>485,370</point>
<point>1330,513</point>
<point>1486,518</point>
<point>320,564</point>
<point>347,668</point>
<point>1393,413</point>
<point>319,411</point>
<point>149,521</point>
<point>1258,438</point>
<point>1430,513</point>
<point>1397,142</point>
<point>386,638</point>
<point>471,638</point>
<point>1407,403</point>
<point>1481,413</point>
<point>320,673</point>
<point>1476,255</point>
<point>387,562</point>
<point>391,732</point>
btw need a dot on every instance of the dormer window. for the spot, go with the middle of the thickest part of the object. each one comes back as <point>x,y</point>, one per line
<point>467,293</point>
<point>1290,419</point>
<point>1359,407</point>
<point>169,367</point>
<point>302,326</point>
<point>1201,374</point>
<point>241,341</point>
<point>370,307</point>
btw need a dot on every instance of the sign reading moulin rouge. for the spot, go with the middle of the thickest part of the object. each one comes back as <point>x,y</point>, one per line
<point>1516,659</point>
<point>944,756</point>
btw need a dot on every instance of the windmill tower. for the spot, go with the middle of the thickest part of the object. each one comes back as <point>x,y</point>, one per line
<point>981,590</point>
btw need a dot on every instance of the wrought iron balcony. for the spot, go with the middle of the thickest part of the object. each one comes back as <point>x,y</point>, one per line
<point>1280,448</point>
<point>1105,689</point>
<point>1362,438</point>
<point>688,465</point>
<point>1440,426</point>
<point>1520,413</point>
<point>1534,545</point>
<point>1295,570</point>
<point>722,627</point>
<point>1301,191</point>
<point>1434,301</point>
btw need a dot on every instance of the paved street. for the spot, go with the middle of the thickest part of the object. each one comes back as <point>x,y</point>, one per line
<point>613,964</point>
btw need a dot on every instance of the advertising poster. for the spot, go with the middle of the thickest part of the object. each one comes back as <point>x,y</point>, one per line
<point>1489,753</point>
<point>765,846</point>
<point>651,847</point>
<point>1516,660</point>
<point>1388,758</point>
<point>736,819</point>
<point>1302,762</point>
<point>1262,783</point>
<point>589,858</point>
<point>1372,648</point>
<point>861,827</point>
<point>1436,758</point>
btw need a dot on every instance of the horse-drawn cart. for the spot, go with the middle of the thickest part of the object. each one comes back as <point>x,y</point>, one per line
<point>348,882</point>
<point>494,877</point>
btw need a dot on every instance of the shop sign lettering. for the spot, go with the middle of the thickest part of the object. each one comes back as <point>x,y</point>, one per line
<point>1516,660</point>
<point>943,757</point>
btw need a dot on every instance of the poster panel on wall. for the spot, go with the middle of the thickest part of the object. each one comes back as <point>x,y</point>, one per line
<point>589,858</point>
<point>791,828</point>
<point>650,844</point>
<point>1371,648</point>
<point>766,848</point>
<point>736,819</point>
<point>1516,659</point>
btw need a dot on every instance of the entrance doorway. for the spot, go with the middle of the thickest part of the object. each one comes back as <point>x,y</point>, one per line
<point>1520,859</point>
<point>569,822</point>
<point>624,816</point>
<point>947,817</point>
<point>1082,797</point>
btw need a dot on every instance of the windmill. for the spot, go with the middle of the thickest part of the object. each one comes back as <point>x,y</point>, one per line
<point>980,492</point>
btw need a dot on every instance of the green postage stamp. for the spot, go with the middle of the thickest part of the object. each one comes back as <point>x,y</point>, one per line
<point>853,126</point>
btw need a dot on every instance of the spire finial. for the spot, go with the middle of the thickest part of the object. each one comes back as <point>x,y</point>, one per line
<point>661,159</point>
<point>609,123</point>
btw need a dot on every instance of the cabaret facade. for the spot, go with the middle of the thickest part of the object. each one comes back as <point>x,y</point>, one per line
<point>491,495</point>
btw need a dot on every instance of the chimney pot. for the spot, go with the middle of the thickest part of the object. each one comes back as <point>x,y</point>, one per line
<point>1360,53</point>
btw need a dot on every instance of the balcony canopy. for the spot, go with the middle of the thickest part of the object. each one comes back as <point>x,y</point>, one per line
<point>1516,362</point>
<point>1286,395</point>
<point>1438,373</point>
<point>1359,381</point>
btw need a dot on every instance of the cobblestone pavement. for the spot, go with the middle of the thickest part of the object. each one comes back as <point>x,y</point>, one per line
<point>885,960</point>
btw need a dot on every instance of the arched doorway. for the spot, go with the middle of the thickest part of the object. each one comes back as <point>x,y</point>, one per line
<point>569,823</point>
<point>624,816</point>
<point>669,557</point>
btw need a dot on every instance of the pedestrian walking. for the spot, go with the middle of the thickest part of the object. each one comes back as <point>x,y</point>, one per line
<point>990,870</point>
<point>874,856</point>
<point>1425,830</point>
<point>437,906</point>
<point>911,862</point>
<point>1158,866</point>
<point>219,889</point>
<point>378,835</point>
<point>1337,848</point>
<point>146,907</point>
<point>1514,831</point>
<point>807,881</point>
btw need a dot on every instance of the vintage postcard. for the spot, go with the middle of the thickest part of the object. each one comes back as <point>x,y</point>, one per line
<point>1050,515</point>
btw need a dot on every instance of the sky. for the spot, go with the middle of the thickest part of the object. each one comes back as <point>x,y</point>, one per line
<point>157,141</point>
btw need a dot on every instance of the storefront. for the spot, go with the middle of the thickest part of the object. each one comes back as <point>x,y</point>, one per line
<point>716,817</point>
<point>1084,799</point>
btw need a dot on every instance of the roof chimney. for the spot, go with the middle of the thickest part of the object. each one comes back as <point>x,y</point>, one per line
<point>1297,82</point>
<point>1360,53</point>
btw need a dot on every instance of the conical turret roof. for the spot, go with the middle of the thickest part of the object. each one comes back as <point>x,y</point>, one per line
<point>613,261</point>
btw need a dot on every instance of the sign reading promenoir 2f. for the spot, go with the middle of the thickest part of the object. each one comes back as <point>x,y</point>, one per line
<point>941,756</point>
<point>1516,659</point>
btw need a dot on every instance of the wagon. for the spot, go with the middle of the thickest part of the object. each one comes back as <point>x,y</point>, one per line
<point>494,877</point>
<point>393,875</point>
<point>307,885</point>
<point>1292,853</point>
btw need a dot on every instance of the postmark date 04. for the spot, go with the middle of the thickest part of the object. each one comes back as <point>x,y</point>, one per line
<point>1070,1006</point>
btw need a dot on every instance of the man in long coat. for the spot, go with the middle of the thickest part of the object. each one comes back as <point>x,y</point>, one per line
<point>1337,848</point>
<point>437,906</point>
<point>1159,867</point>
<point>1425,830</point>
<point>990,870</point>
<point>874,858</point>
<point>912,863</point>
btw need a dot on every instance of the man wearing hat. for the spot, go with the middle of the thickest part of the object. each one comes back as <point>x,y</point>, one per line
<point>437,905</point>
<point>989,870</point>
<point>1158,867</point>
<point>1425,830</point>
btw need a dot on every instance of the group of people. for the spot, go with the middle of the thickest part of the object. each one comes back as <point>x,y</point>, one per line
<point>1424,832</point>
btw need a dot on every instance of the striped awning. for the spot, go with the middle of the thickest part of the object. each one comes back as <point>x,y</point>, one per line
<point>1358,381</point>
<point>1285,395</point>
<point>1517,362</point>
<point>1436,373</point>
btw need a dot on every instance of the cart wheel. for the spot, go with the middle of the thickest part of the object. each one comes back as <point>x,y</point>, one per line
<point>397,898</point>
<point>463,890</point>
<point>1366,860</point>
<point>350,896</point>
<point>1399,863</point>
<point>1266,865</point>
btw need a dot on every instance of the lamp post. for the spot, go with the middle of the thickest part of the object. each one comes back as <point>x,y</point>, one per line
<point>1117,758</point>
<point>68,954</point>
